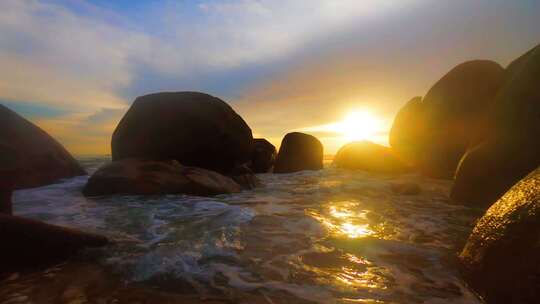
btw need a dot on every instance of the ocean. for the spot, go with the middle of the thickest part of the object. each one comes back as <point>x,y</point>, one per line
<point>329,236</point>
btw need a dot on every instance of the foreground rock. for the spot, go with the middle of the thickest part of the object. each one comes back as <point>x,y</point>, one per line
<point>8,175</point>
<point>263,157</point>
<point>29,243</point>
<point>298,152</point>
<point>194,128</point>
<point>43,159</point>
<point>367,156</point>
<point>454,115</point>
<point>512,149</point>
<point>138,176</point>
<point>502,256</point>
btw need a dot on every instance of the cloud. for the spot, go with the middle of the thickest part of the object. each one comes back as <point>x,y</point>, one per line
<point>285,64</point>
<point>60,55</point>
<point>50,55</point>
<point>105,115</point>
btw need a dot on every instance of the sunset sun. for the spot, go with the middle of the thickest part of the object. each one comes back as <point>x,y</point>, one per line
<point>358,125</point>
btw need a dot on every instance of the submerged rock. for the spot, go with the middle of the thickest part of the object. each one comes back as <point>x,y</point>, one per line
<point>502,256</point>
<point>299,151</point>
<point>512,149</point>
<point>365,155</point>
<point>139,176</point>
<point>263,155</point>
<point>245,177</point>
<point>435,133</point>
<point>29,243</point>
<point>43,159</point>
<point>194,128</point>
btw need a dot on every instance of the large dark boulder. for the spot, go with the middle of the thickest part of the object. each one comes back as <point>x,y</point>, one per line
<point>263,157</point>
<point>512,148</point>
<point>408,130</point>
<point>453,116</point>
<point>145,177</point>
<point>194,128</point>
<point>367,156</point>
<point>298,152</point>
<point>501,259</point>
<point>28,243</point>
<point>42,159</point>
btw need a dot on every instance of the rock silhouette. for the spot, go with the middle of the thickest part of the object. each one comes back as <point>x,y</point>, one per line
<point>42,159</point>
<point>29,243</point>
<point>435,133</point>
<point>512,148</point>
<point>299,151</point>
<point>8,176</point>
<point>139,176</point>
<point>502,256</point>
<point>408,131</point>
<point>263,157</point>
<point>367,156</point>
<point>193,128</point>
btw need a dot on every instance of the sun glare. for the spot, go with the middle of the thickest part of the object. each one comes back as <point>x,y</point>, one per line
<point>359,125</point>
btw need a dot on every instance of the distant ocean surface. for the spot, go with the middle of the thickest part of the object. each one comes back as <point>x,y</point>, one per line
<point>330,236</point>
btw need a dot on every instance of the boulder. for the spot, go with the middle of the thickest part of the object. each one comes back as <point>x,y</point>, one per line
<point>408,130</point>
<point>145,177</point>
<point>501,259</point>
<point>454,115</point>
<point>29,243</point>
<point>299,151</point>
<point>43,159</point>
<point>367,156</point>
<point>263,156</point>
<point>193,128</point>
<point>512,148</point>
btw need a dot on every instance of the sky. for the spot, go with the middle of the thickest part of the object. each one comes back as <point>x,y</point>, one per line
<point>73,67</point>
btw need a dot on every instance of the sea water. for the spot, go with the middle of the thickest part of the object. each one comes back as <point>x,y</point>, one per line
<point>328,236</point>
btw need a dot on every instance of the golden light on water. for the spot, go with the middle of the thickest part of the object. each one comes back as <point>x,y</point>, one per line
<point>344,219</point>
<point>354,231</point>
<point>347,222</point>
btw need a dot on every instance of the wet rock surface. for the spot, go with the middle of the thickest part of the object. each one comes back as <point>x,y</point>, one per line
<point>28,243</point>
<point>501,259</point>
